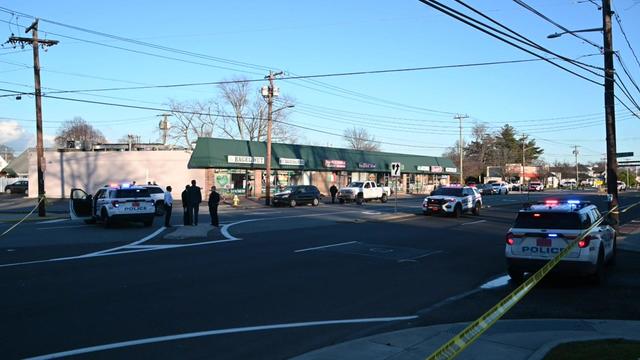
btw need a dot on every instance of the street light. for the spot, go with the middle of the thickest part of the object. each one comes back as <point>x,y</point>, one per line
<point>557,35</point>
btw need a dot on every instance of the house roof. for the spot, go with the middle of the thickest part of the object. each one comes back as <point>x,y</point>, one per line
<point>238,154</point>
<point>19,166</point>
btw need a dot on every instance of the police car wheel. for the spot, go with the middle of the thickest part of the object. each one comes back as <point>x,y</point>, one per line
<point>598,276</point>
<point>614,251</point>
<point>105,218</point>
<point>476,209</point>
<point>457,211</point>
<point>517,277</point>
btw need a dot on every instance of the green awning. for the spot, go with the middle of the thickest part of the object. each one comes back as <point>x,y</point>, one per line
<point>242,154</point>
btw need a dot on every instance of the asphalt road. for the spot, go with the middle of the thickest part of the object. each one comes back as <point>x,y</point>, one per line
<point>274,283</point>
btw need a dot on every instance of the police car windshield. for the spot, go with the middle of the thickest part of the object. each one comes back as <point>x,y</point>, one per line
<point>448,191</point>
<point>548,220</point>
<point>131,193</point>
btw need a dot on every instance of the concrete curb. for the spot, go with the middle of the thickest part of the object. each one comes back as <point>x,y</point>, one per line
<point>542,352</point>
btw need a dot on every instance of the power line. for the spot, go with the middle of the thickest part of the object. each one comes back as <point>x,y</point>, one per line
<point>624,34</point>
<point>452,13</point>
<point>531,9</point>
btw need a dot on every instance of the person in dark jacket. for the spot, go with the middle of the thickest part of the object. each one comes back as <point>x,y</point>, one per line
<point>185,205</point>
<point>195,198</point>
<point>333,190</point>
<point>214,201</point>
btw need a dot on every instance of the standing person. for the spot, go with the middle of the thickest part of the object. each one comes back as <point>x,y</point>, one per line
<point>168,206</point>
<point>333,190</point>
<point>214,201</point>
<point>195,198</point>
<point>185,205</point>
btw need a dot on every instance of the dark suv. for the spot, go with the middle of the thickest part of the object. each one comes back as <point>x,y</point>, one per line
<point>297,194</point>
<point>18,187</point>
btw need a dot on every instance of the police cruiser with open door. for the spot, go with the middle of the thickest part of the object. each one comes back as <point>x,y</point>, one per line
<point>113,203</point>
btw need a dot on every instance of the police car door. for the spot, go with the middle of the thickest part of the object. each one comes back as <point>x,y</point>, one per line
<point>604,230</point>
<point>80,204</point>
<point>467,202</point>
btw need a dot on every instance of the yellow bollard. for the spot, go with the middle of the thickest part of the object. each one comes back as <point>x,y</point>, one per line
<point>236,201</point>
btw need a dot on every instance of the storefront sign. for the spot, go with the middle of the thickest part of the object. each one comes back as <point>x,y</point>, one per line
<point>424,168</point>
<point>291,162</point>
<point>436,169</point>
<point>364,165</point>
<point>335,164</point>
<point>451,170</point>
<point>237,159</point>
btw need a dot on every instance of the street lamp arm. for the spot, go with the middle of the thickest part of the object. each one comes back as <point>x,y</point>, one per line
<point>557,35</point>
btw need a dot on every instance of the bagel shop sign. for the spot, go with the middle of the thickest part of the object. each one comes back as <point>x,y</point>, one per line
<point>238,159</point>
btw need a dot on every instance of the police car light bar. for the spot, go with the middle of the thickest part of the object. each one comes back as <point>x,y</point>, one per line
<point>574,202</point>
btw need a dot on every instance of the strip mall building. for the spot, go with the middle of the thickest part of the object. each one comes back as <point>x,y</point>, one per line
<point>239,166</point>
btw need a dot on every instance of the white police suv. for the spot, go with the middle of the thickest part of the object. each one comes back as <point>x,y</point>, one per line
<point>453,200</point>
<point>113,203</point>
<point>542,230</point>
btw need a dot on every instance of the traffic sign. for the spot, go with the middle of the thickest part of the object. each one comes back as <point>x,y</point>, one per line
<point>395,169</point>
<point>624,154</point>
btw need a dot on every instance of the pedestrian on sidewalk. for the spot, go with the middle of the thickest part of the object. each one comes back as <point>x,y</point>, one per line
<point>214,201</point>
<point>333,190</point>
<point>195,198</point>
<point>185,206</point>
<point>168,206</point>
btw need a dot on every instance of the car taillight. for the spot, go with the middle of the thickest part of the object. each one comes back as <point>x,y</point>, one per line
<point>509,239</point>
<point>584,242</point>
<point>114,203</point>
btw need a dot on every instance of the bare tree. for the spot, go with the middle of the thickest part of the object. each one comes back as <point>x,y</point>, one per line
<point>192,119</point>
<point>246,115</point>
<point>238,113</point>
<point>360,139</point>
<point>78,129</point>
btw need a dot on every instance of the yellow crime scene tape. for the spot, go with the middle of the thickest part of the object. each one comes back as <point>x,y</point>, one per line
<point>471,333</point>
<point>24,218</point>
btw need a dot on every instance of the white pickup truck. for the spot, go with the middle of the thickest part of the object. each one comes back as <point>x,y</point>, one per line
<point>363,191</point>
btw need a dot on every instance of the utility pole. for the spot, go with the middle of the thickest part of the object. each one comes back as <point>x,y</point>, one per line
<point>461,150</point>
<point>522,178</point>
<point>575,152</point>
<point>271,92</point>
<point>610,120</point>
<point>36,44</point>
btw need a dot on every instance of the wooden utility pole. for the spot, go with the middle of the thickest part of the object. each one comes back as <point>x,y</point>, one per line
<point>575,152</point>
<point>460,145</point>
<point>270,94</point>
<point>36,44</point>
<point>610,116</point>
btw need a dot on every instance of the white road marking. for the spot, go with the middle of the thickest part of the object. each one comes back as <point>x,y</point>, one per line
<point>474,222</point>
<point>498,282</point>
<point>62,227</point>
<point>52,221</point>
<point>372,212</point>
<point>146,238</point>
<point>422,256</point>
<point>153,340</point>
<point>326,246</point>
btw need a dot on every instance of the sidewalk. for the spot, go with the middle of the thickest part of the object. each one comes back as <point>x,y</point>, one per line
<point>629,236</point>
<point>507,339</point>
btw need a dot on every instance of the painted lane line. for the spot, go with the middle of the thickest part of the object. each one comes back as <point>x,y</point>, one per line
<point>153,340</point>
<point>323,247</point>
<point>371,212</point>
<point>63,227</point>
<point>146,238</point>
<point>474,222</point>
<point>422,256</point>
<point>52,221</point>
<point>224,230</point>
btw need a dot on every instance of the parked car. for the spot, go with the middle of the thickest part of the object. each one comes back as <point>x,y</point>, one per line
<point>297,194</point>
<point>18,187</point>
<point>486,189</point>
<point>622,186</point>
<point>568,184</point>
<point>500,188</point>
<point>536,186</point>
<point>157,194</point>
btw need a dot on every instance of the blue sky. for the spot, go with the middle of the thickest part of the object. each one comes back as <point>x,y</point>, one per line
<point>306,38</point>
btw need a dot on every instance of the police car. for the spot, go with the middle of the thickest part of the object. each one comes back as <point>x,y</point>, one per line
<point>453,200</point>
<point>113,203</point>
<point>542,230</point>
